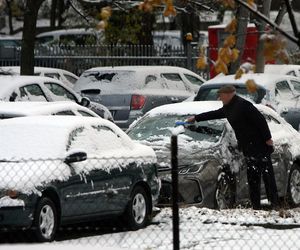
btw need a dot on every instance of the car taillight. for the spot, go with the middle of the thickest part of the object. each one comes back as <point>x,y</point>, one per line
<point>137,102</point>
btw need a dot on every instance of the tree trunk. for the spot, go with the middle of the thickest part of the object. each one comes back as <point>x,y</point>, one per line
<point>61,9</point>
<point>282,11</point>
<point>10,25</point>
<point>53,13</point>
<point>29,30</point>
<point>260,59</point>
<point>242,19</point>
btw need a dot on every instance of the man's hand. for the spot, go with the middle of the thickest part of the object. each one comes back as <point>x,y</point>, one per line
<point>190,119</point>
<point>269,142</point>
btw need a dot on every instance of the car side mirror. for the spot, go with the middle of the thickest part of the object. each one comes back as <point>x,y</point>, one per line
<point>85,102</point>
<point>75,157</point>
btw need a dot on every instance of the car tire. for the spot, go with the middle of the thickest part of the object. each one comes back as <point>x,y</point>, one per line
<point>293,191</point>
<point>45,220</point>
<point>137,213</point>
<point>225,192</point>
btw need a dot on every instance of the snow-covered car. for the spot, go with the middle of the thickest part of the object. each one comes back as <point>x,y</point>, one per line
<point>283,69</point>
<point>67,77</point>
<point>10,47</point>
<point>37,88</point>
<point>130,91</point>
<point>58,170</point>
<point>212,171</point>
<point>280,92</point>
<point>18,109</point>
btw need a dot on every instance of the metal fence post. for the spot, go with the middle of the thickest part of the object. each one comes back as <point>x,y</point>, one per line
<point>174,164</point>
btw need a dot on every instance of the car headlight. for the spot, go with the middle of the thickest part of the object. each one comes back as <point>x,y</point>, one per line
<point>190,169</point>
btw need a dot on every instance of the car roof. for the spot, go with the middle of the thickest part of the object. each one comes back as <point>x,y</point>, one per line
<point>262,79</point>
<point>68,31</point>
<point>185,108</point>
<point>15,109</point>
<point>10,82</point>
<point>16,69</point>
<point>281,68</point>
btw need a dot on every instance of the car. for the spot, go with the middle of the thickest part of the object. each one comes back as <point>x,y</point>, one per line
<point>77,36</point>
<point>19,109</point>
<point>67,77</point>
<point>283,69</point>
<point>280,92</point>
<point>10,47</point>
<point>38,88</point>
<point>130,91</point>
<point>211,169</point>
<point>59,170</point>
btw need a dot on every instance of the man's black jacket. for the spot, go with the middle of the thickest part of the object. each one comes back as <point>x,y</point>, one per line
<point>250,127</point>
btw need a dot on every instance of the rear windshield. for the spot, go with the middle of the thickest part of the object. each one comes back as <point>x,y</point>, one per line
<point>111,79</point>
<point>211,93</point>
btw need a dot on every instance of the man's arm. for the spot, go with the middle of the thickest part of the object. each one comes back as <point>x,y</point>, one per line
<point>211,115</point>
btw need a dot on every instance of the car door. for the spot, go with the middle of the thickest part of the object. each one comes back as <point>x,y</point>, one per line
<point>104,183</point>
<point>59,93</point>
<point>294,117</point>
<point>29,92</point>
<point>287,103</point>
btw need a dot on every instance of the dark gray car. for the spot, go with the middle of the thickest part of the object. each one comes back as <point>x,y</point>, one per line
<point>130,91</point>
<point>212,172</point>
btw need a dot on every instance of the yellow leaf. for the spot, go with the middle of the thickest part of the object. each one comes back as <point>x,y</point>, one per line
<point>231,27</point>
<point>239,73</point>
<point>230,41</point>
<point>251,86</point>
<point>251,3</point>
<point>234,54</point>
<point>201,62</point>
<point>228,3</point>
<point>225,55</point>
<point>105,13</point>
<point>221,67</point>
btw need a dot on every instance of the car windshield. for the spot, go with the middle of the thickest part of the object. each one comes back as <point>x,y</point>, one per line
<point>211,93</point>
<point>159,127</point>
<point>111,79</point>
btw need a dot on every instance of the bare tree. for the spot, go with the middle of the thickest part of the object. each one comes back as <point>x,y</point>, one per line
<point>29,30</point>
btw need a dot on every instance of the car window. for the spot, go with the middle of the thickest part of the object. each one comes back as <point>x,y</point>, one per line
<point>174,81</point>
<point>44,39</point>
<point>296,85</point>
<point>96,140</point>
<point>211,94</point>
<point>66,112</point>
<point>60,91</point>
<point>83,113</point>
<point>70,78</point>
<point>159,127</point>
<point>31,92</point>
<point>53,75</point>
<point>283,88</point>
<point>193,80</point>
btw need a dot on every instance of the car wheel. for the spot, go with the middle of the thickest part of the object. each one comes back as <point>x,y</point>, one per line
<point>294,186</point>
<point>138,211</point>
<point>45,220</point>
<point>225,192</point>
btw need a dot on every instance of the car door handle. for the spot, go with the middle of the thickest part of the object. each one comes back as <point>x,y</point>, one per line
<point>110,193</point>
<point>174,99</point>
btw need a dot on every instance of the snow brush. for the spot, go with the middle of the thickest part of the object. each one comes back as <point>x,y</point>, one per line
<point>182,123</point>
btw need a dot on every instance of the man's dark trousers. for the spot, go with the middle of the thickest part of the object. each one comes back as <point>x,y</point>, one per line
<point>257,167</point>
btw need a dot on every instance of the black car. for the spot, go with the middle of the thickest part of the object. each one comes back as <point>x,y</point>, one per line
<point>58,170</point>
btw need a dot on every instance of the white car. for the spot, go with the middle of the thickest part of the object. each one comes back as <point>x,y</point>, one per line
<point>280,92</point>
<point>37,88</point>
<point>283,69</point>
<point>130,91</point>
<point>67,77</point>
<point>18,109</point>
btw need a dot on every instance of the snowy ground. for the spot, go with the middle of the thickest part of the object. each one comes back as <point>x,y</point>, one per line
<point>199,229</point>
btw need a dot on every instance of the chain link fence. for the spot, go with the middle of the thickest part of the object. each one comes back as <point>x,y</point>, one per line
<point>109,202</point>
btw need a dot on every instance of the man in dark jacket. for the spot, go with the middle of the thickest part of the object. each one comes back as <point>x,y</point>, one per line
<point>254,140</point>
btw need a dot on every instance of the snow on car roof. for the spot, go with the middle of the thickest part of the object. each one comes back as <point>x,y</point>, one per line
<point>186,108</point>
<point>262,79</point>
<point>44,137</point>
<point>281,68</point>
<point>36,146</point>
<point>14,109</point>
<point>10,82</point>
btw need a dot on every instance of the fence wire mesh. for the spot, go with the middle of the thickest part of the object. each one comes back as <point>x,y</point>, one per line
<point>101,202</point>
